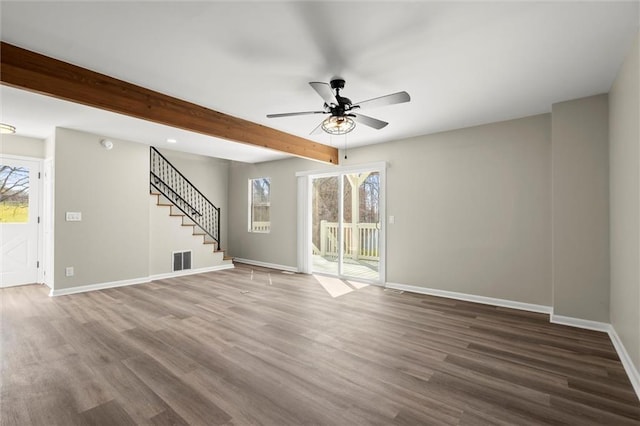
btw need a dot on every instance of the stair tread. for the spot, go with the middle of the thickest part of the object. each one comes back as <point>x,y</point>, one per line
<point>195,233</point>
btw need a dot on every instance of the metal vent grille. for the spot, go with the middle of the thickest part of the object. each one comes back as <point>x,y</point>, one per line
<point>181,260</point>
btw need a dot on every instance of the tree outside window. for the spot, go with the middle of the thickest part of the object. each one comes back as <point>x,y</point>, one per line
<point>260,205</point>
<point>14,194</point>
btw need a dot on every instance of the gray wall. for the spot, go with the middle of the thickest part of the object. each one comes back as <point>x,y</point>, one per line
<point>580,181</point>
<point>111,190</point>
<point>21,145</point>
<point>624,157</point>
<point>472,209</point>
<point>279,246</point>
<point>122,235</point>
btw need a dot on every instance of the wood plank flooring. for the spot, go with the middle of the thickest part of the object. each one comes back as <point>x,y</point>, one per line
<point>253,346</point>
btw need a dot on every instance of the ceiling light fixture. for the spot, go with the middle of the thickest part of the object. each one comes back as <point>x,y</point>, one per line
<point>338,125</point>
<point>171,140</point>
<point>7,129</point>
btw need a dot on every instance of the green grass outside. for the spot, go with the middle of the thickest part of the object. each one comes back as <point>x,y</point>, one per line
<point>14,214</point>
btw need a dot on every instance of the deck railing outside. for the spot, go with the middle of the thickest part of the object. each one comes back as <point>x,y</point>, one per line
<point>361,245</point>
<point>261,226</point>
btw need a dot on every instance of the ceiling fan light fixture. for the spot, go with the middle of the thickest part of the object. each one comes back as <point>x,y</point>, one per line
<point>338,125</point>
<point>7,129</point>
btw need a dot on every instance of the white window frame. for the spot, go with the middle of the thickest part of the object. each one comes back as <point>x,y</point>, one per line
<point>250,205</point>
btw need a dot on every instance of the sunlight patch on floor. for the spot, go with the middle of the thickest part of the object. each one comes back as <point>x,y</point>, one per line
<point>357,285</point>
<point>334,286</point>
<point>337,287</point>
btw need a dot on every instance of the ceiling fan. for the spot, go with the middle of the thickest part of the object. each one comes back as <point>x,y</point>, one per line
<point>343,119</point>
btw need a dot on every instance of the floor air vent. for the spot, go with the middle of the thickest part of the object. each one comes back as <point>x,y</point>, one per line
<point>181,260</point>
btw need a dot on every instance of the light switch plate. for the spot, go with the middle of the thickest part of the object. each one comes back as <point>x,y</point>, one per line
<point>74,216</point>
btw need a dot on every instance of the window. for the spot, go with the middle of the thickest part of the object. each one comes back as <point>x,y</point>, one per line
<point>259,205</point>
<point>14,194</point>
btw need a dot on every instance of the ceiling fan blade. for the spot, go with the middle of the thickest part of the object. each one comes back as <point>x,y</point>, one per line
<point>394,98</point>
<point>369,121</point>
<point>318,129</point>
<point>290,114</point>
<point>325,92</point>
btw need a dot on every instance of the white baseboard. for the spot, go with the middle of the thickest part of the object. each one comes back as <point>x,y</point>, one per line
<point>265,264</point>
<point>191,272</point>
<point>627,363</point>
<point>580,323</point>
<point>99,286</point>
<point>472,298</point>
<point>134,281</point>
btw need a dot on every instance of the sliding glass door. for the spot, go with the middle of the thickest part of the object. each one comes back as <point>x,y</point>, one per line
<point>346,224</point>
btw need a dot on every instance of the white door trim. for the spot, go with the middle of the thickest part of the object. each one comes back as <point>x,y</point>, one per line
<point>47,228</point>
<point>304,224</point>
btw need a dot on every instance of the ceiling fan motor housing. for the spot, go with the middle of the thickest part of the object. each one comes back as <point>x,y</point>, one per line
<point>344,104</point>
<point>341,109</point>
<point>337,83</point>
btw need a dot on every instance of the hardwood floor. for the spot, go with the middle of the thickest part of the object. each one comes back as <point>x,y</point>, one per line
<point>256,346</point>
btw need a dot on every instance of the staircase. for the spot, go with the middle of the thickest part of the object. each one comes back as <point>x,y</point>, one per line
<point>183,200</point>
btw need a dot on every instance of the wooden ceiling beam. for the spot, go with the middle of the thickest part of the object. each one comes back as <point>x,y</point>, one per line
<point>34,72</point>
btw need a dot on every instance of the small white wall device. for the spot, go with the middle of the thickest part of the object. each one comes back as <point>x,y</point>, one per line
<point>106,144</point>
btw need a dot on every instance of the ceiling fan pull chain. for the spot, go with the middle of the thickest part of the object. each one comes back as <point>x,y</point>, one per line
<point>345,146</point>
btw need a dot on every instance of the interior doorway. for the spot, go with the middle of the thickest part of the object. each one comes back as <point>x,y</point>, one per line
<point>19,220</point>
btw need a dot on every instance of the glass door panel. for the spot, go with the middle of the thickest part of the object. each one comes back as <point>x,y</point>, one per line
<point>361,226</point>
<point>325,236</point>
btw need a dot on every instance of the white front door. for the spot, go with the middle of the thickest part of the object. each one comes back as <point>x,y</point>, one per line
<point>19,210</point>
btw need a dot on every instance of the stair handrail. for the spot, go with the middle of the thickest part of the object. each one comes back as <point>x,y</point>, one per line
<point>210,225</point>
<point>175,196</point>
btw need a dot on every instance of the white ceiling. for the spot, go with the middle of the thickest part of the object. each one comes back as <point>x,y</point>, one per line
<point>462,63</point>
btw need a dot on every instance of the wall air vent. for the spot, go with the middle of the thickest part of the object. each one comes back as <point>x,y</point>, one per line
<point>181,260</point>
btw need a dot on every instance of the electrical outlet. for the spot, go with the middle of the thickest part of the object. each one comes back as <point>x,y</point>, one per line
<point>73,216</point>
<point>68,271</point>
